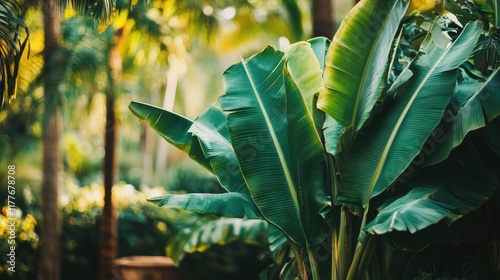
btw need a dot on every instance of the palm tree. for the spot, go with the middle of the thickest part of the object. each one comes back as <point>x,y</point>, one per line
<point>52,127</point>
<point>50,233</point>
<point>108,219</point>
<point>13,39</point>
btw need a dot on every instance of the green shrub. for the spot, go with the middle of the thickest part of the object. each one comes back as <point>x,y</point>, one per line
<point>143,229</point>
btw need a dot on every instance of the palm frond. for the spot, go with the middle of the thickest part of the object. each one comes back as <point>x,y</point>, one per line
<point>13,40</point>
<point>86,51</point>
<point>85,55</point>
<point>82,59</point>
<point>102,11</point>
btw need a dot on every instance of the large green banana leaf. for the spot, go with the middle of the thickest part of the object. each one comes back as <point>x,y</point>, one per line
<point>305,69</point>
<point>229,205</point>
<point>173,128</point>
<point>212,139</point>
<point>305,62</point>
<point>332,131</point>
<point>276,144</point>
<point>448,191</point>
<point>357,60</point>
<point>320,47</point>
<point>211,145</point>
<point>481,107</point>
<point>210,128</point>
<point>383,150</point>
<point>222,231</point>
<point>469,83</point>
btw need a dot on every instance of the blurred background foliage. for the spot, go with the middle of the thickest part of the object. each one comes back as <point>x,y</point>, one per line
<point>173,55</point>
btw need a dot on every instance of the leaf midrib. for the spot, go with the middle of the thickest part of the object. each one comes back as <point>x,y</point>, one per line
<point>365,70</point>
<point>480,90</point>
<point>496,13</point>
<point>395,131</point>
<point>278,147</point>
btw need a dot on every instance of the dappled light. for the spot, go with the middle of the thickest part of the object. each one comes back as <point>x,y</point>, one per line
<point>249,139</point>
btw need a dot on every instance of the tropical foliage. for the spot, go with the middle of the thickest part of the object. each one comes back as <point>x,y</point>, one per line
<point>13,40</point>
<point>148,229</point>
<point>382,141</point>
<point>75,63</point>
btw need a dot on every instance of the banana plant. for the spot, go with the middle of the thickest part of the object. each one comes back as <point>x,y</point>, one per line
<point>349,161</point>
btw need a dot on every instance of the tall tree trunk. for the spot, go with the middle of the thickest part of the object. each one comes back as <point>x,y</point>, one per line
<point>322,17</point>
<point>51,227</point>
<point>108,219</point>
<point>108,239</point>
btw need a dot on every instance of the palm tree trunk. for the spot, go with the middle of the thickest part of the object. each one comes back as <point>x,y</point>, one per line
<point>322,17</point>
<point>108,218</point>
<point>108,246</point>
<point>51,227</point>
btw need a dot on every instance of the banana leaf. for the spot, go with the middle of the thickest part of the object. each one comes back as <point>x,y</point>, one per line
<point>465,10</point>
<point>305,70</point>
<point>210,128</point>
<point>476,226</point>
<point>173,128</point>
<point>212,140</point>
<point>382,151</point>
<point>276,144</point>
<point>320,47</point>
<point>206,140</point>
<point>305,63</point>
<point>229,205</point>
<point>332,131</point>
<point>357,61</point>
<point>479,108</point>
<point>446,192</point>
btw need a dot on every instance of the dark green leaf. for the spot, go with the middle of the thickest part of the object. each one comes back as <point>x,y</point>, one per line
<point>383,150</point>
<point>448,192</point>
<point>173,128</point>
<point>276,143</point>
<point>211,130</point>
<point>229,205</point>
<point>357,61</point>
